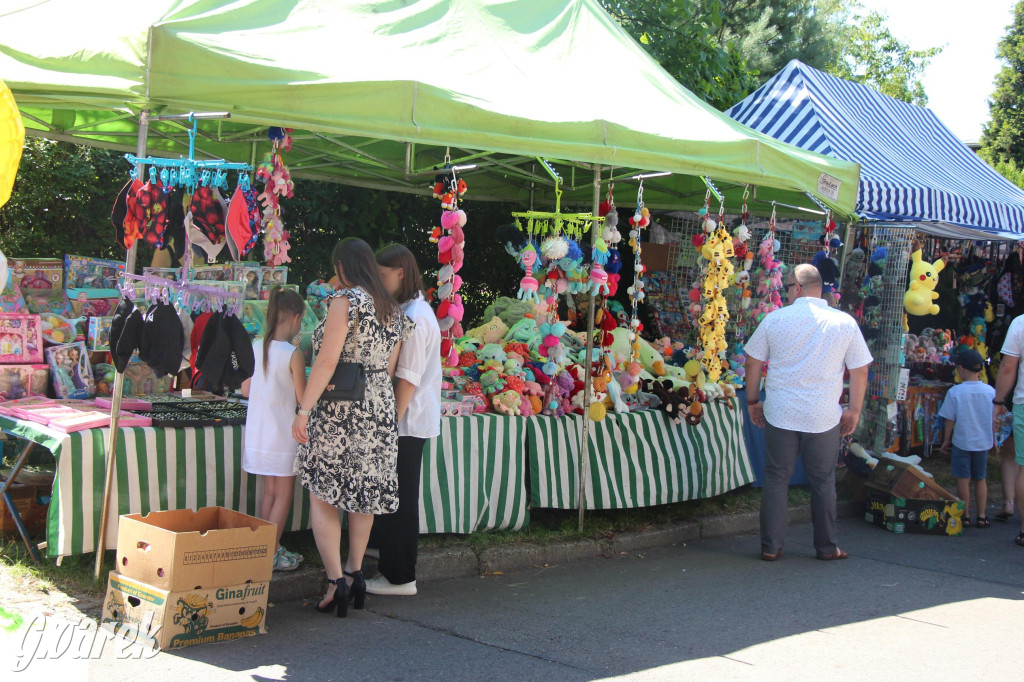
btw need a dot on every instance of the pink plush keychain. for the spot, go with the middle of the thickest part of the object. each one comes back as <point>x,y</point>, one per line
<point>451,242</point>
<point>277,184</point>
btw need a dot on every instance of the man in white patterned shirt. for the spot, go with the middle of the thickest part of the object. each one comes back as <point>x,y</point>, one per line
<point>807,344</point>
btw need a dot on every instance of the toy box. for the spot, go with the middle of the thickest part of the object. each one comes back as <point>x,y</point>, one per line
<point>98,337</point>
<point>271,277</point>
<point>32,513</point>
<point>11,300</point>
<point>92,273</point>
<point>250,274</point>
<point>21,339</point>
<point>72,373</point>
<point>193,615</point>
<point>38,276</point>
<point>172,274</point>
<point>181,549</point>
<point>219,273</point>
<point>93,302</point>
<point>908,515</point>
<point>20,381</point>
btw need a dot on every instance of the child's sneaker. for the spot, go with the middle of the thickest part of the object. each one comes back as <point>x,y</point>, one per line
<point>294,555</point>
<point>284,560</point>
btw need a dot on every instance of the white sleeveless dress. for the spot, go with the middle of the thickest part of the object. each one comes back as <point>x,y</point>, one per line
<point>269,446</point>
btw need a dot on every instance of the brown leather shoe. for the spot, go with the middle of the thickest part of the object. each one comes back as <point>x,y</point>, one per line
<point>771,557</point>
<point>839,554</point>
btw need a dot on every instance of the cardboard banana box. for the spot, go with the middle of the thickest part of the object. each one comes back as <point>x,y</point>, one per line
<point>173,620</point>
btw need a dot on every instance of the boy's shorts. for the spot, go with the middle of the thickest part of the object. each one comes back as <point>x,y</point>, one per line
<point>1018,433</point>
<point>970,463</point>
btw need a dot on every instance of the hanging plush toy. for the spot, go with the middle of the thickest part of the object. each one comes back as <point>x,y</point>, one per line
<point>638,222</point>
<point>277,184</point>
<point>923,277</point>
<point>528,285</point>
<point>450,256</point>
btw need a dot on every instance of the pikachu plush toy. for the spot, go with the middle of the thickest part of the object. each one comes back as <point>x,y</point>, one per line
<point>923,277</point>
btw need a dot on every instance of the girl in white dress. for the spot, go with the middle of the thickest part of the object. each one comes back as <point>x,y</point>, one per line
<point>273,392</point>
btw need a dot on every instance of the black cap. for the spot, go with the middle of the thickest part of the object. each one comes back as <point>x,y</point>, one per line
<point>127,341</point>
<point>163,339</point>
<point>969,359</point>
<point>214,348</point>
<point>241,361</point>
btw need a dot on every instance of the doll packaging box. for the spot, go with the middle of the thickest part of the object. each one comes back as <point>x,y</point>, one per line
<point>21,339</point>
<point>21,381</point>
<point>72,373</point>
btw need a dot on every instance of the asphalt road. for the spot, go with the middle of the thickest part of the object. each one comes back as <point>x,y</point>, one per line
<point>906,607</point>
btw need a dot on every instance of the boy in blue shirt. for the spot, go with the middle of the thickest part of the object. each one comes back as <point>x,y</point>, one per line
<point>968,411</point>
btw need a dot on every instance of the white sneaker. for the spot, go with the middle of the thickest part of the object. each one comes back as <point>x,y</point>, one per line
<point>380,585</point>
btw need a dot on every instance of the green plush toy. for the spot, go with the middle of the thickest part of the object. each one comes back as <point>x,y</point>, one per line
<point>508,310</point>
<point>489,332</point>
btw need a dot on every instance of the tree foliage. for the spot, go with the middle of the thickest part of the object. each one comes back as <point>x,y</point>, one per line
<point>723,49</point>
<point>1003,137</point>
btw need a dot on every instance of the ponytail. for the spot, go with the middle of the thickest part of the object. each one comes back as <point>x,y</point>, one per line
<point>282,302</point>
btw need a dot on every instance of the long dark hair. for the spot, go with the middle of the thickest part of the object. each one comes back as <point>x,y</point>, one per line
<point>360,269</point>
<point>398,256</point>
<point>282,302</point>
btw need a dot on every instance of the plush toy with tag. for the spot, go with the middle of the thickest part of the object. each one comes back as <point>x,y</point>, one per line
<point>923,277</point>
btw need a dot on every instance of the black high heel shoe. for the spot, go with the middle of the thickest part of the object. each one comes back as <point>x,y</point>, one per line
<point>339,602</point>
<point>357,590</point>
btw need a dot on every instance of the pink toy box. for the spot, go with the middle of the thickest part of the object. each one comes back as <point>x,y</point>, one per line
<point>20,381</point>
<point>21,339</point>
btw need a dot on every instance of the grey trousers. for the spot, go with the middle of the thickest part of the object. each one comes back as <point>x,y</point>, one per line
<point>820,451</point>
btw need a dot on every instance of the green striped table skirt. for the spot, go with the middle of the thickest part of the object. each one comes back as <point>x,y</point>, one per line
<point>472,477</point>
<point>639,459</point>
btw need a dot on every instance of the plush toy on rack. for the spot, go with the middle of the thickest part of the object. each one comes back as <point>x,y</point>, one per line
<point>717,250</point>
<point>450,256</point>
<point>277,184</point>
<point>923,277</point>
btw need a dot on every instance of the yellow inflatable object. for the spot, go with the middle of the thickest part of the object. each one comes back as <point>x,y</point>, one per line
<point>12,139</point>
<point>923,278</point>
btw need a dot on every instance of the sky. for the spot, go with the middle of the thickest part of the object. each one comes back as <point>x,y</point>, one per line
<point>961,79</point>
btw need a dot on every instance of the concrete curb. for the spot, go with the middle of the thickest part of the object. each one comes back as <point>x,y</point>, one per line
<point>460,561</point>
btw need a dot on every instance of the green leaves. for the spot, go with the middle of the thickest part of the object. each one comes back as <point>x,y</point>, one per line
<point>1003,138</point>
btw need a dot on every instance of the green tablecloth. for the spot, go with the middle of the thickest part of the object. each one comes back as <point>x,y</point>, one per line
<point>638,459</point>
<point>472,477</point>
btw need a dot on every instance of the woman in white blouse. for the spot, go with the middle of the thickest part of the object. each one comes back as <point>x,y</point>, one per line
<point>418,399</point>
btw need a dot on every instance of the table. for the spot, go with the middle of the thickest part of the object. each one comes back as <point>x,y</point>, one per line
<point>637,459</point>
<point>757,448</point>
<point>483,472</point>
<point>472,477</point>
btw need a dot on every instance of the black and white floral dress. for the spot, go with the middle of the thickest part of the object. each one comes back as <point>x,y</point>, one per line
<point>351,458</point>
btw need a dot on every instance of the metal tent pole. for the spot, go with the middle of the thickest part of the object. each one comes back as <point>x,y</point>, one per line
<point>118,390</point>
<point>588,365</point>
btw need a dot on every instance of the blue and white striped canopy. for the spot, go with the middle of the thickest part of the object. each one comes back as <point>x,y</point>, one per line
<point>913,169</point>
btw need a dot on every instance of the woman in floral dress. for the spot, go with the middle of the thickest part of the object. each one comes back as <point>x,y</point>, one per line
<point>348,450</point>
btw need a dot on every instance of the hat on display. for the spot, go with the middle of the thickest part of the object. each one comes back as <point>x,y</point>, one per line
<point>969,359</point>
<point>152,197</point>
<point>208,213</point>
<point>117,323</point>
<point>200,243</point>
<point>214,348</point>
<point>134,216</point>
<point>241,361</point>
<point>128,341</point>
<point>163,339</point>
<point>243,221</point>
<point>175,238</point>
<point>118,213</point>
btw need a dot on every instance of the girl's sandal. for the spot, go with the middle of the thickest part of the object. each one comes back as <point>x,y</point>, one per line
<point>1003,514</point>
<point>966,523</point>
<point>1020,539</point>
<point>982,522</point>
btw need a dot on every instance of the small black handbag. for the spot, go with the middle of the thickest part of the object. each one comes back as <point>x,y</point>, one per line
<point>349,379</point>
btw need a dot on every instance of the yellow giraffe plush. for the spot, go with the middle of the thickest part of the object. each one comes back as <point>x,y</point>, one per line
<point>923,278</point>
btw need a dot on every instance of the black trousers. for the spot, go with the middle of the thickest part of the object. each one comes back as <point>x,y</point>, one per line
<point>397,535</point>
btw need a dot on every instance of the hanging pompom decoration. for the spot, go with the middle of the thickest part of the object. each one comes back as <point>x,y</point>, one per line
<point>277,184</point>
<point>637,222</point>
<point>451,242</point>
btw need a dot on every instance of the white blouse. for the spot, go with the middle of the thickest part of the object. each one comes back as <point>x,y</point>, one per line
<point>419,363</point>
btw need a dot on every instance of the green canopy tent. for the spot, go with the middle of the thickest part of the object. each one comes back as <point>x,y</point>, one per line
<point>380,92</point>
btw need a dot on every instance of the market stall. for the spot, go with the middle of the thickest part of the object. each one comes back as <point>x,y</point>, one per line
<point>384,126</point>
<point>928,205</point>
